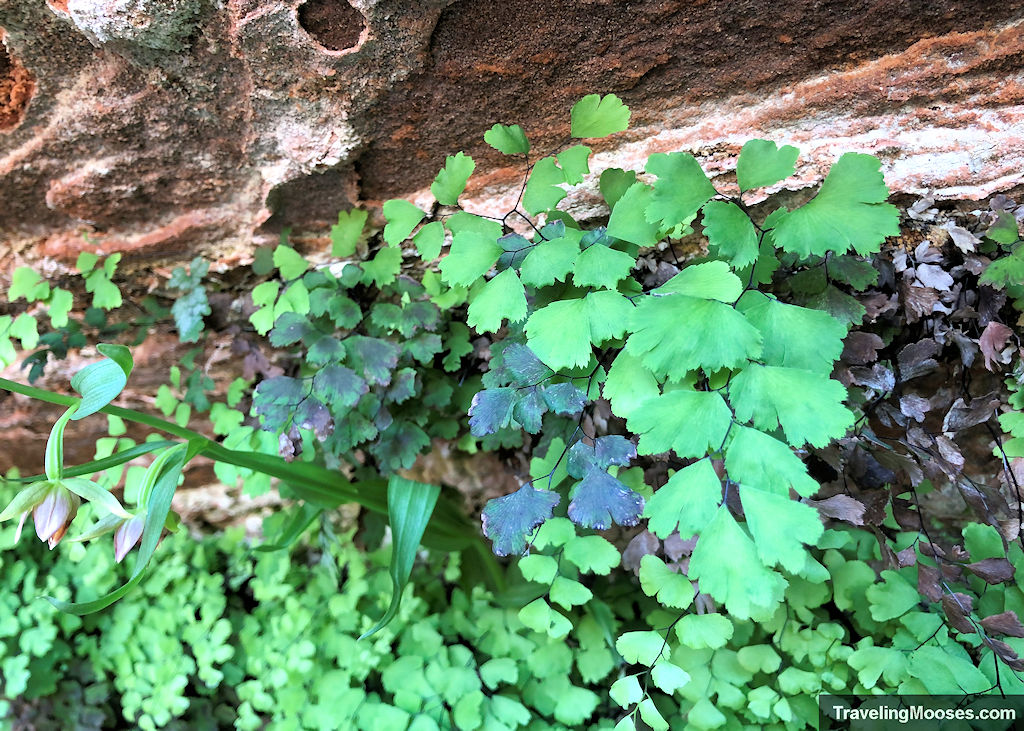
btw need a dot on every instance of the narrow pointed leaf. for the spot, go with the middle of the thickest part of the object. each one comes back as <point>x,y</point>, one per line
<point>410,505</point>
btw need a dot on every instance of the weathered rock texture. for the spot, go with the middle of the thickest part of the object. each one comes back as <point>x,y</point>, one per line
<point>165,128</point>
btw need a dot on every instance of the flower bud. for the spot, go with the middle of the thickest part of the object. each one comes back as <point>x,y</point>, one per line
<point>54,513</point>
<point>126,535</point>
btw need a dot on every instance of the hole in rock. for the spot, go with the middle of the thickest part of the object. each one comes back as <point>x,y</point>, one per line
<point>16,88</point>
<point>334,24</point>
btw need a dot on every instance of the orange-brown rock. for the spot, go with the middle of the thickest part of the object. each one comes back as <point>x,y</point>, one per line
<point>166,129</point>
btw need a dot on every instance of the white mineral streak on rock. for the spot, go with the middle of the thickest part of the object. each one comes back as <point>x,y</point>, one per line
<point>156,24</point>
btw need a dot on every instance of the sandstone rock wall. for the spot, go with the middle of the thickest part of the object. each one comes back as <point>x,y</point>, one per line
<point>166,128</point>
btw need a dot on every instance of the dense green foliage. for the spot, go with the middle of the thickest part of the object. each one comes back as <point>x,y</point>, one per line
<point>258,637</point>
<point>732,467</point>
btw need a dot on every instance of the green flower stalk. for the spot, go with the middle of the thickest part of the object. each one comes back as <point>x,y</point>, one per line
<point>54,502</point>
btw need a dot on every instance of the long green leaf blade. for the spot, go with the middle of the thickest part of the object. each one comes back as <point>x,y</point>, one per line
<point>409,507</point>
<point>170,464</point>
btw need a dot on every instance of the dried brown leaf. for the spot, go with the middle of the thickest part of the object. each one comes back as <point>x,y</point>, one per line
<point>1004,623</point>
<point>918,358</point>
<point>643,544</point>
<point>840,507</point>
<point>861,348</point>
<point>992,570</point>
<point>931,275</point>
<point>907,557</point>
<point>963,416</point>
<point>992,341</point>
<point>914,406</point>
<point>958,608</point>
<point>1005,653</point>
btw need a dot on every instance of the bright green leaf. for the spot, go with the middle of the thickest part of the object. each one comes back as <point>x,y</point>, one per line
<point>503,297</point>
<point>687,502</point>
<point>726,565</point>
<point>451,180</point>
<point>596,116</point>
<point>402,217</point>
<point>849,212</point>
<point>681,190</point>
<point>730,233</point>
<point>508,139</point>
<point>542,192</point>
<point>689,422</point>
<point>762,163</point>
<point>780,527</point>
<point>807,405</point>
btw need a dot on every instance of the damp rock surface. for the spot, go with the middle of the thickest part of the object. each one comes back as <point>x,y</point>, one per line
<point>170,129</point>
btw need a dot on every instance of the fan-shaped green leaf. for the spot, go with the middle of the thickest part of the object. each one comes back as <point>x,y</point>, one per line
<point>428,240</point>
<point>643,647</point>
<point>596,116</point>
<point>756,459</point>
<point>699,631</point>
<point>508,139</point>
<point>711,280</point>
<point>687,502</point>
<point>731,234</point>
<point>762,163</point>
<point>670,587</point>
<point>849,212</point>
<point>451,179</point>
<point>560,334</point>
<point>402,217</point>
<point>503,297</point>
<point>628,385</point>
<point>688,422</point>
<point>807,405</point>
<point>472,255</point>
<point>780,527</point>
<point>795,337</point>
<point>542,191</point>
<point>345,234</point>
<point>726,565</point>
<point>550,261</point>
<point>677,333</point>
<point>574,163</point>
<point>680,191</point>
<point>628,222</point>
<point>601,266</point>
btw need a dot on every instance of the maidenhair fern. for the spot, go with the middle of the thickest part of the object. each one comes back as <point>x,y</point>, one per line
<point>727,379</point>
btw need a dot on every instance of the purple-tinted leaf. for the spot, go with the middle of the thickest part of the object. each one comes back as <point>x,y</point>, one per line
<point>376,358</point>
<point>515,248</point>
<point>325,349</point>
<point>565,399</point>
<point>491,410</point>
<point>523,368</point>
<point>288,329</point>
<point>581,460</point>
<point>529,408</point>
<point>403,386</point>
<point>338,385</point>
<point>600,499</point>
<point>399,445</point>
<point>613,450</point>
<point>508,520</point>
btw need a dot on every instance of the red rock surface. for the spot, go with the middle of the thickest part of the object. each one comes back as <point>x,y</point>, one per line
<point>166,129</point>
